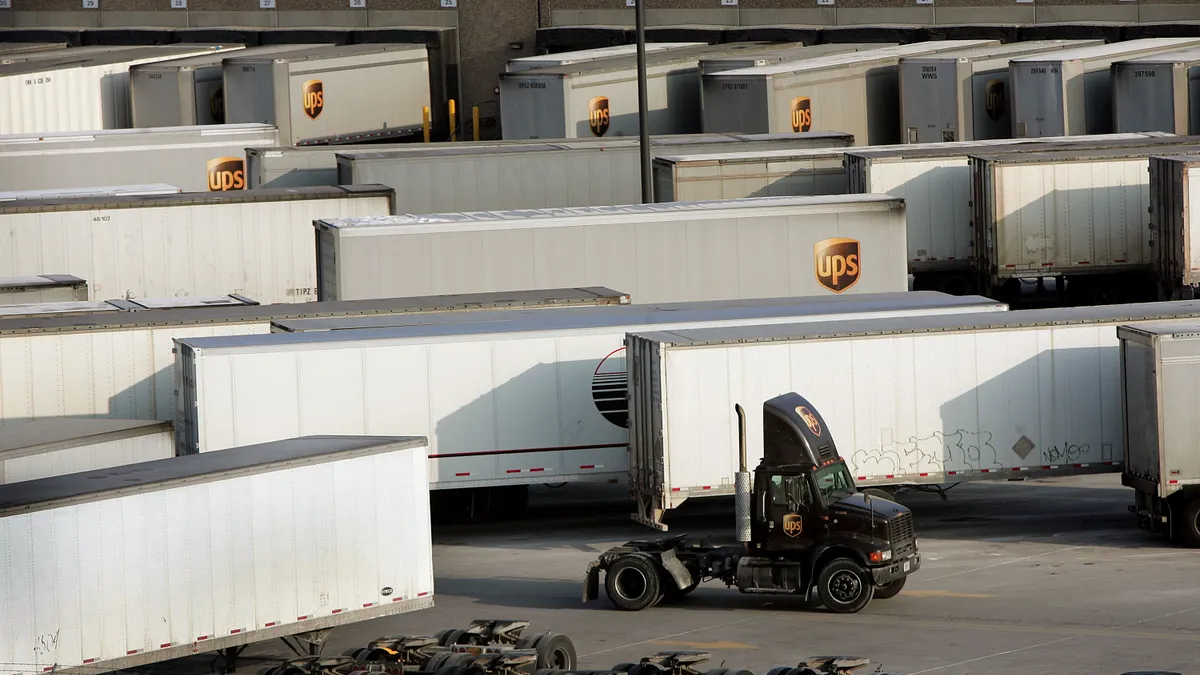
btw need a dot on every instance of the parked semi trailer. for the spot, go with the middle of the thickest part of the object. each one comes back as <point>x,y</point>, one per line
<point>508,399</point>
<point>527,176</point>
<point>586,55</point>
<point>963,95</point>
<point>92,307</point>
<point>187,91</point>
<point>93,192</point>
<point>195,158</point>
<point>1082,214</point>
<point>1156,93</point>
<point>857,93</point>
<point>318,165</point>
<point>33,449</point>
<point>211,552</point>
<point>42,288</point>
<point>916,402</point>
<point>77,92</point>
<point>258,244</point>
<point>801,526</point>
<point>1070,92</point>
<point>600,98</point>
<point>787,246</point>
<point>331,94</point>
<point>791,52</point>
<point>1175,234</point>
<point>116,359</point>
<point>1158,387</point>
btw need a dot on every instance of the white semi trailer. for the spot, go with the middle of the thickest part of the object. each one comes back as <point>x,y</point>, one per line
<point>914,402</point>
<point>507,399</point>
<point>126,566</point>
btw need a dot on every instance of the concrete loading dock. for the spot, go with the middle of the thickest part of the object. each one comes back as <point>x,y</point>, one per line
<point>599,98</point>
<point>962,96</point>
<point>331,94</point>
<point>181,156</point>
<point>679,252</point>
<point>857,93</point>
<point>1160,92</point>
<point>305,166</point>
<point>1070,92</point>
<point>187,91</point>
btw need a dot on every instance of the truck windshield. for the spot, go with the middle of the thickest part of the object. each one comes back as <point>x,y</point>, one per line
<point>834,482</point>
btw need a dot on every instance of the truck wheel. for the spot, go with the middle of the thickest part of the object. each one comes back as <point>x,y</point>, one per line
<point>632,583</point>
<point>890,590</point>
<point>844,586</point>
<point>555,651</point>
<point>1187,528</point>
<point>671,591</point>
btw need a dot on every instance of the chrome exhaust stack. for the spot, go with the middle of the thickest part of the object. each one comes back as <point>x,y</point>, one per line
<point>741,483</point>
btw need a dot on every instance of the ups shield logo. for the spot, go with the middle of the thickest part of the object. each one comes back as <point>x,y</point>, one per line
<point>314,98</point>
<point>226,173</point>
<point>793,524</point>
<point>801,114</point>
<point>598,115</point>
<point>837,263</point>
<point>996,102</point>
<point>810,420</point>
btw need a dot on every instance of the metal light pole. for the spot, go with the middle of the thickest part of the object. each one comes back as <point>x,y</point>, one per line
<point>643,123</point>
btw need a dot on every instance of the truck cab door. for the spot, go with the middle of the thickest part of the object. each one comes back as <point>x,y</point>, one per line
<point>793,520</point>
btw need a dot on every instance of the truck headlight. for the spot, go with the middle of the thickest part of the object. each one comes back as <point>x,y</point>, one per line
<point>880,556</point>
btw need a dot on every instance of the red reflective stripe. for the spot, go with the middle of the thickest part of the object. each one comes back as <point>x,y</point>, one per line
<point>514,471</point>
<point>269,624</point>
<point>587,466</point>
<point>368,604</point>
<point>302,618</point>
<point>337,611</point>
<point>422,594</point>
<point>464,473</point>
<point>674,489</point>
<point>538,469</point>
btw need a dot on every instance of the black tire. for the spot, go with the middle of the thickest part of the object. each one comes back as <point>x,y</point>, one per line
<point>890,590</point>
<point>633,583</point>
<point>436,661</point>
<point>782,670</point>
<point>624,667</point>
<point>557,652</point>
<point>717,671</point>
<point>844,586</point>
<point>441,635</point>
<point>451,637</point>
<point>528,641</point>
<point>353,652</point>
<point>1187,526</point>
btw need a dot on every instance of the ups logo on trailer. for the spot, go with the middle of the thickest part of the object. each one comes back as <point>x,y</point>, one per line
<point>801,114</point>
<point>793,524</point>
<point>226,173</point>
<point>995,101</point>
<point>314,98</point>
<point>837,263</point>
<point>598,115</point>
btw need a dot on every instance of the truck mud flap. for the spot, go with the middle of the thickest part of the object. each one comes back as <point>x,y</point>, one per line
<point>591,581</point>
<point>681,575</point>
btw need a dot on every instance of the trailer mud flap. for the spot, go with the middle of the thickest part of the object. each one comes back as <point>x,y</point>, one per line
<point>591,581</point>
<point>681,575</point>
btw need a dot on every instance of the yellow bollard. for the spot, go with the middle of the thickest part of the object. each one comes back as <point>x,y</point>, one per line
<point>475,122</point>
<point>425,122</point>
<point>453,123</point>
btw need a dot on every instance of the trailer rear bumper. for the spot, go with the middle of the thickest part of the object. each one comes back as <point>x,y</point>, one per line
<point>899,569</point>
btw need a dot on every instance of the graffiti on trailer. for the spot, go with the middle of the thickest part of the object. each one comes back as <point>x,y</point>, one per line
<point>1073,452</point>
<point>961,450</point>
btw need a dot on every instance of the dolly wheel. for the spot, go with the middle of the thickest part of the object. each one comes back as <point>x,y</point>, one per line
<point>632,583</point>
<point>890,590</point>
<point>555,651</point>
<point>844,586</point>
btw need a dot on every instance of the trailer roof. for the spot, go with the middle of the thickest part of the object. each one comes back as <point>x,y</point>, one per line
<point>218,58</point>
<point>1188,55</point>
<point>851,58</point>
<point>798,50</point>
<point>41,280</point>
<point>945,323</point>
<point>1086,154</point>
<point>553,297</point>
<point>119,55</point>
<point>157,134</point>
<point>26,437</point>
<point>986,52</point>
<point>98,191</point>
<point>579,216</point>
<point>1108,51</point>
<point>321,51</point>
<point>423,330</point>
<point>603,52</point>
<point>1187,330</point>
<point>195,198</point>
<point>204,467</point>
<point>1006,145</point>
<point>653,59</point>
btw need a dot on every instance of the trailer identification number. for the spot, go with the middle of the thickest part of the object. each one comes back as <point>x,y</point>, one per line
<point>1042,70</point>
<point>1144,73</point>
<point>928,72</point>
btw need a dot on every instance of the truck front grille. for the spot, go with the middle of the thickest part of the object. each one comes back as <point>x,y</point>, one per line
<point>902,535</point>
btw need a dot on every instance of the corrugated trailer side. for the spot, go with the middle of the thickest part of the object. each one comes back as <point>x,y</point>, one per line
<point>1081,213</point>
<point>189,554</point>
<point>121,363</point>
<point>35,449</point>
<point>258,244</point>
<point>76,93</point>
<point>910,401</point>
<point>1155,93</point>
<point>675,252</point>
<point>507,399</point>
<point>1174,226</point>
<point>192,158</point>
<point>318,165</point>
